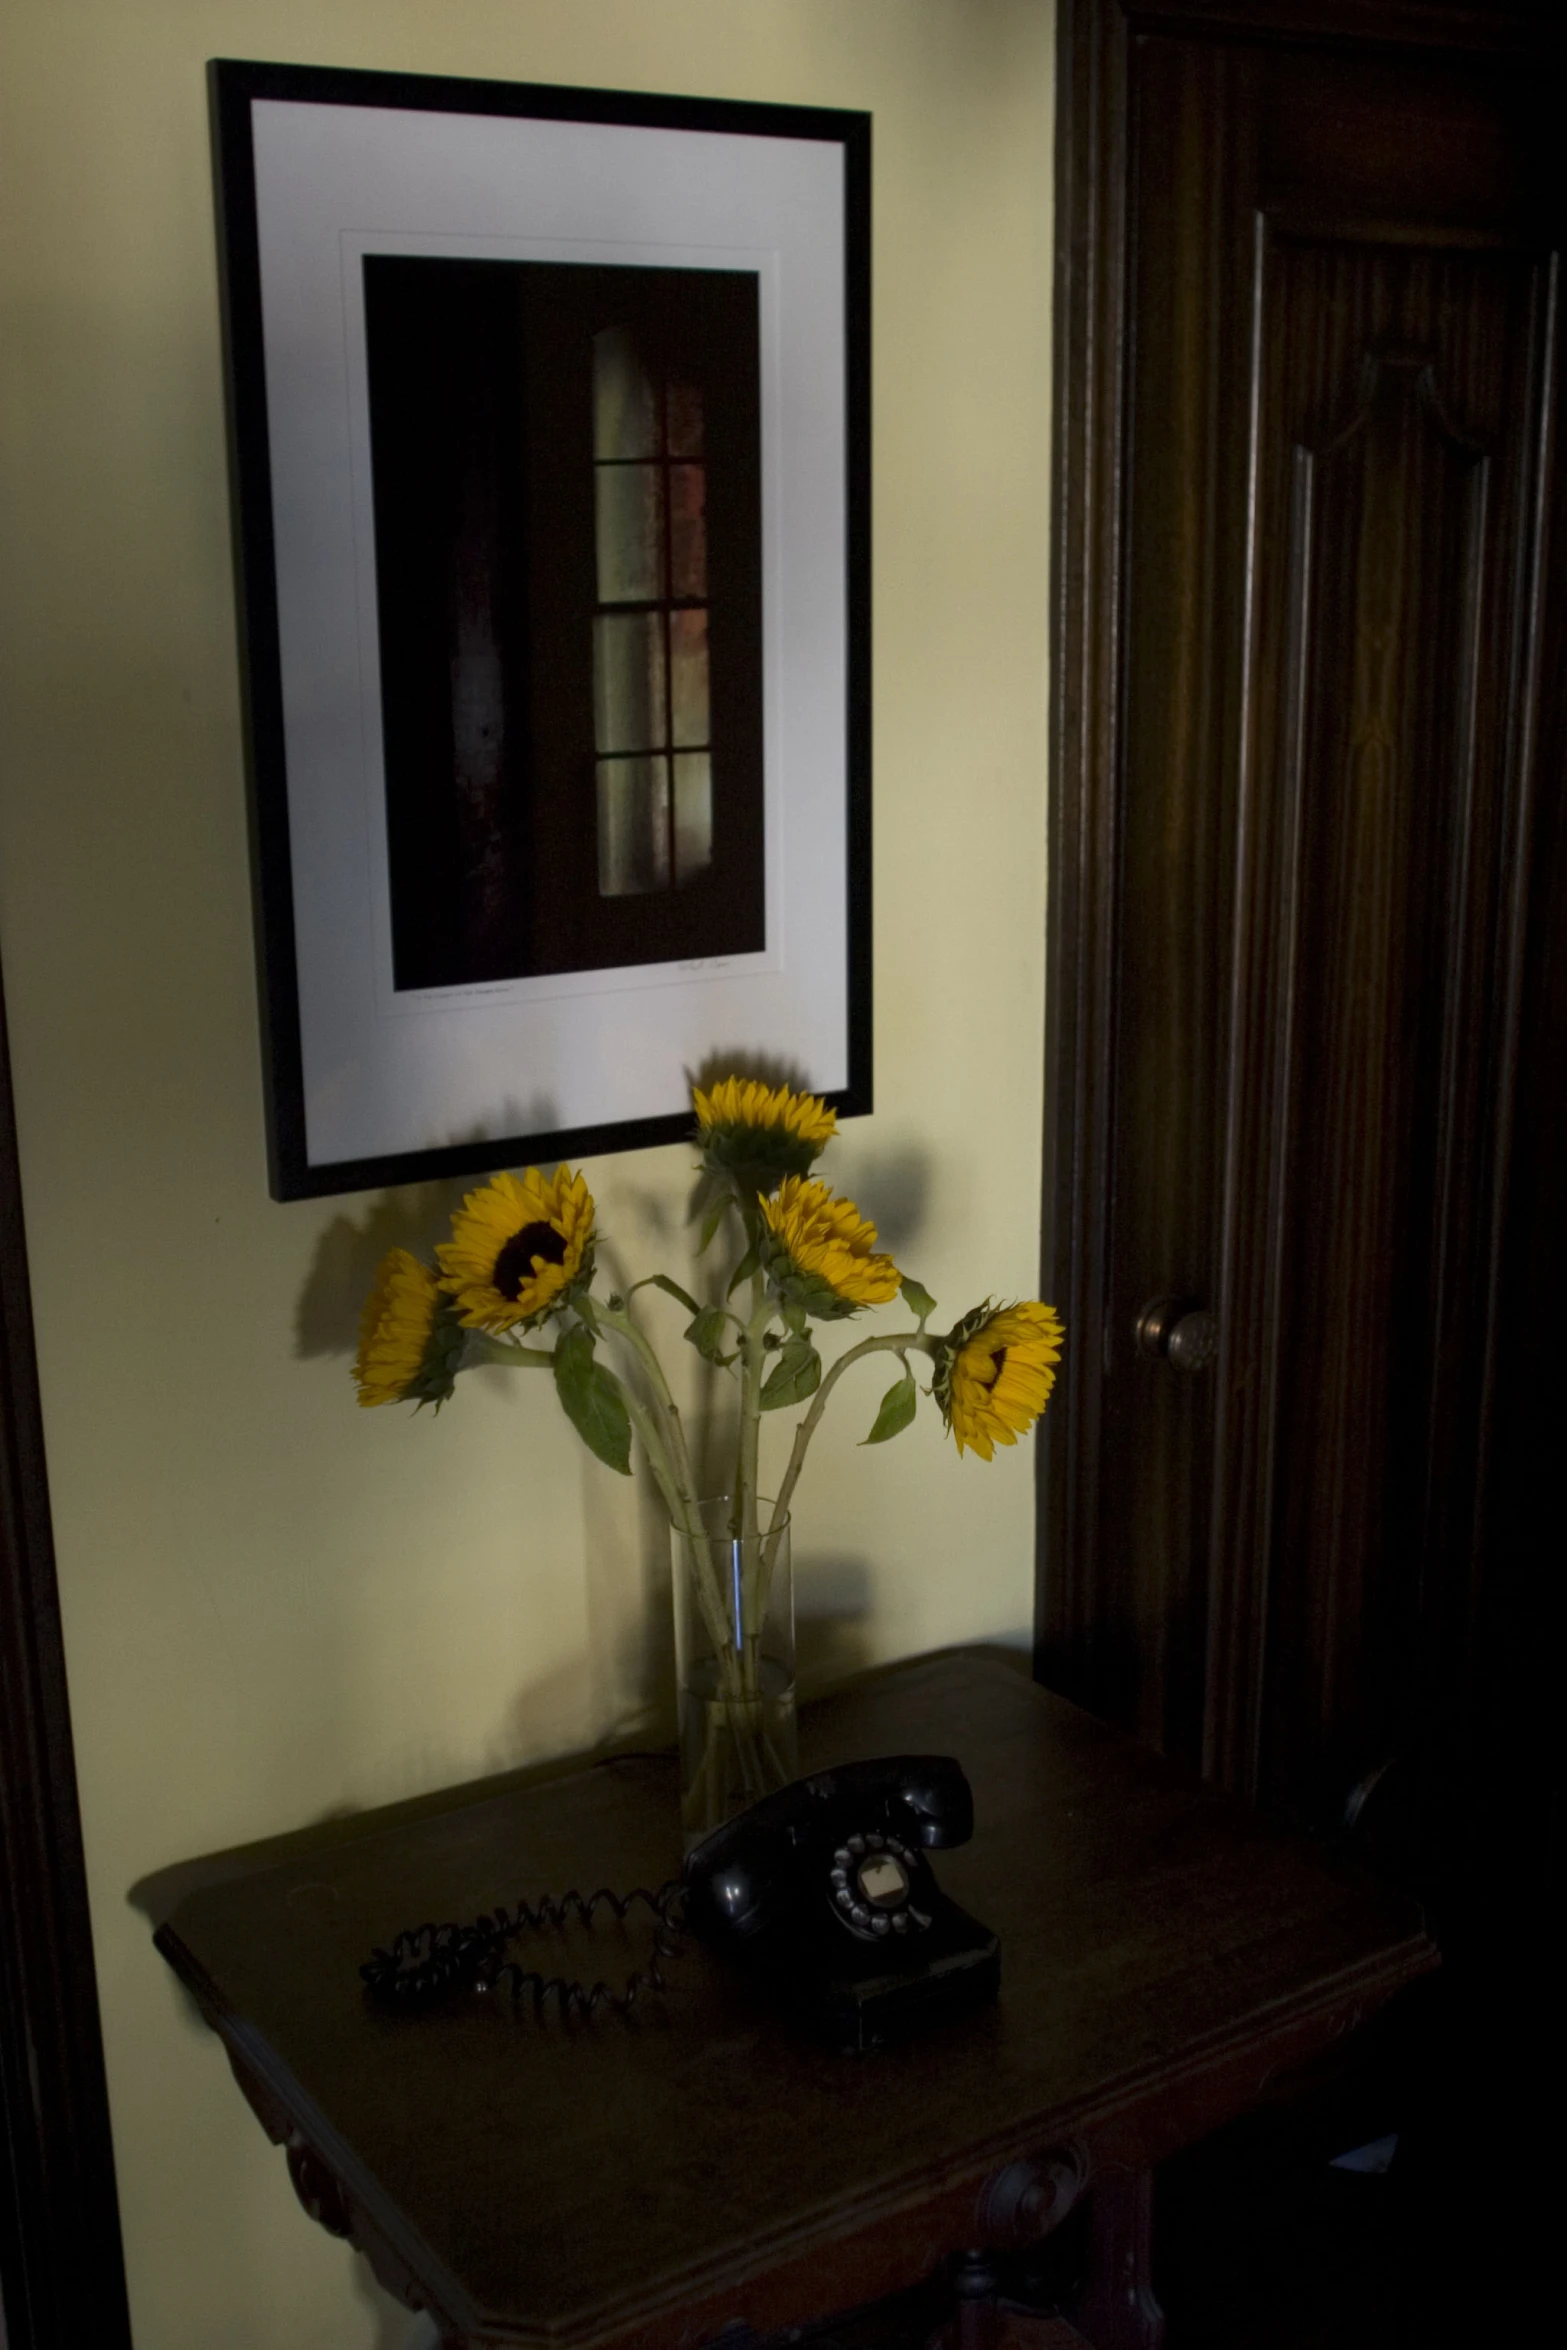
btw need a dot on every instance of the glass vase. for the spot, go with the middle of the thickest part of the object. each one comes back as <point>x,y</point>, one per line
<point>734,1661</point>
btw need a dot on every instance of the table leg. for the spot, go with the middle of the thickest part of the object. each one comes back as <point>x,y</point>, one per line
<point>982,2321</point>
<point>1116,2309</point>
<point>977,2324</point>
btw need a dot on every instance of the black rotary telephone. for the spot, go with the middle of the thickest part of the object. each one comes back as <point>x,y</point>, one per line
<point>825,1890</point>
<point>822,1890</point>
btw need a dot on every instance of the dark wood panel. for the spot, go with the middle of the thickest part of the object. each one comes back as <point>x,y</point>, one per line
<point>1511,1817</point>
<point>1184,510</point>
<point>1307,380</point>
<point>1468,28</point>
<point>1398,446</point>
<point>1394,150</point>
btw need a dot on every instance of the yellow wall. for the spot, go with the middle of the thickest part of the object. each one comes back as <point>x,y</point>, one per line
<point>277,1605</point>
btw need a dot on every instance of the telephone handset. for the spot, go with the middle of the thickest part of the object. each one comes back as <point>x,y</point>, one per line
<point>822,1889</point>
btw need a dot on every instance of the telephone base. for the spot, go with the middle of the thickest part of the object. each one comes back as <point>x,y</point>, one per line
<point>857,2012</point>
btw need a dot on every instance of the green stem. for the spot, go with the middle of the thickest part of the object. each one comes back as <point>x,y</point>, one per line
<point>651,1437</point>
<point>711,1600</point>
<point>899,1342</point>
<point>657,1424</point>
<point>663,1401</point>
<point>483,1349</point>
<point>753,1359</point>
<point>748,1446</point>
<point>685,1518</point>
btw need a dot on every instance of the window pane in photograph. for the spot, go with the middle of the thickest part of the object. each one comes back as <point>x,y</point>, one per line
<point>688,677</point>
<point>650,674</point>
<point>628,683</point>
<point>693,814</point>
<point>685,420</point>
<point>633,826</point>
<point>629,501</point>
<point>687,530</point>
<point>625,414</point>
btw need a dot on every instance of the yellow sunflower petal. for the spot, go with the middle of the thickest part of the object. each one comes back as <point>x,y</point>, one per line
<point>829,1246</point>
<point>394,1328</point>
<point>518,1247</point>
<point>999,1373</point>
<point>744,1102</point>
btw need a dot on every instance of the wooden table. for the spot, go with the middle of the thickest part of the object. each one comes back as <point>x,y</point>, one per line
<point>1163,1954</point>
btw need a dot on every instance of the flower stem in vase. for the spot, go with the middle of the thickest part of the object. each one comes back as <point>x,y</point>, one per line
<point>736,1665</point>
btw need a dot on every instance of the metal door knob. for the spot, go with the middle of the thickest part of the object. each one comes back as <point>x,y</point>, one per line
<point>1184,1335</point>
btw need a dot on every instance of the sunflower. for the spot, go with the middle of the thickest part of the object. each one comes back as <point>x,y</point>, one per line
<point>409,1340</point>
<point>760,1134</point>
<point>818,1252</point>
<point>995,1372</point>
<point>520,1249</point>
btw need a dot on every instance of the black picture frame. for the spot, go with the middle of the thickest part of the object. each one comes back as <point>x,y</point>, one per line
<point>817,858</point>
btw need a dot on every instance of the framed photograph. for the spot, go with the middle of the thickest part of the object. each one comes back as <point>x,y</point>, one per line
<point>549,418</point>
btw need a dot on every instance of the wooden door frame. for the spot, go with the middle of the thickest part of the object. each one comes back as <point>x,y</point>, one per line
<point>1085,603</point>
<point>62,2270</point>
<point>1087,607</point>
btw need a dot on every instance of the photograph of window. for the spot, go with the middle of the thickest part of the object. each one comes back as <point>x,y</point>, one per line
<point>568,567</point>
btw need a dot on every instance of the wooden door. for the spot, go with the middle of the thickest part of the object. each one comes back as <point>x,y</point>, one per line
<point>1306,1025</point>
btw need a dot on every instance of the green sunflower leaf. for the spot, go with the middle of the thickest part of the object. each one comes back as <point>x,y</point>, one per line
<point>706,1334</point>
<point>795,1316</point>
<point>918,1298</point>
<point>670,1289</point>
<point>796,1374</point>
<point>712,1217</point>
<point>897,1409</point>
<point>593,1400</point>
<point>743,1271</point>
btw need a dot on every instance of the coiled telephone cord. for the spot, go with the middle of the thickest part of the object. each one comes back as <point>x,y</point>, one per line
<point>422,1962</point>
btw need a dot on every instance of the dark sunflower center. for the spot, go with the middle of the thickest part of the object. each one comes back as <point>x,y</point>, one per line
<point>514,1265</point>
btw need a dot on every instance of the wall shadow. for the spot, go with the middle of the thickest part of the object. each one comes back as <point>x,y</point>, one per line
<point>159,1893</point>
<point>892,1188</point>
<point>831,1611</point>
<point>413,1216</point>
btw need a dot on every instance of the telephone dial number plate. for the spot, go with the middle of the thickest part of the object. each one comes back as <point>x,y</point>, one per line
<point>871,1883</point>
